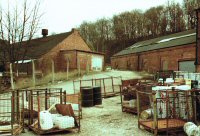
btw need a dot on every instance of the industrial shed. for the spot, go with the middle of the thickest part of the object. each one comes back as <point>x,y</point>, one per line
<point>172,52</point>
<point>60,49</point>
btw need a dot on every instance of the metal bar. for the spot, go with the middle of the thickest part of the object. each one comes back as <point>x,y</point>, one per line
<point>31,111</point>
<point>155,124</point>
<point>12,113</point>
<point>138,108</point>
<point>38,99</point>
<point>45,100</point>
<point>23,112</point>
<point>65,97</point>
<point>61,100</point>
<point>120,89</point>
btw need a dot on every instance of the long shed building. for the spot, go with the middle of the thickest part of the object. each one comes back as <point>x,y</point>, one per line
<point>173,52</point>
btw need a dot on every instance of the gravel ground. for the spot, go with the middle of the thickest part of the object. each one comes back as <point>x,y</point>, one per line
<point>108,119</point>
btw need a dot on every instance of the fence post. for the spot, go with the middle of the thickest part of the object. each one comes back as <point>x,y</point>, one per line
<point>104,87</point>
<point>67,68</point>
<point>33,72</point>
<point>11,77</point>
<point>112,85</point>
<point>74,86</point>
<point>53,71</point>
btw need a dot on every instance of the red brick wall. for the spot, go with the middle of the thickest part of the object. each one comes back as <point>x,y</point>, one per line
<point>74,56</point>
<point>73,41</point>
<point>152,61</point>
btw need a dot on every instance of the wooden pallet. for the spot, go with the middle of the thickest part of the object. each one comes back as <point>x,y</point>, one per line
<point>129,109</point>
<point>162,124</point>
<point>108,95</point>
<point>38,131</point>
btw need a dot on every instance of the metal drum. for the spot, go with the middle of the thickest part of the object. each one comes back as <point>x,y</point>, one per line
<point>97,95</point>
<point>87,97</point>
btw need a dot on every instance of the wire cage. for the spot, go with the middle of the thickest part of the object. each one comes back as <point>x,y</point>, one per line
<point>128,95</point>
<point>167,111</point>
<point>11,113</point>
<point>109,86</point>
<point>56,105</point>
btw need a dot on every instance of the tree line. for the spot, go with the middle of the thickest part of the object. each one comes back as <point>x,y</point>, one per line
<point>111,35</point>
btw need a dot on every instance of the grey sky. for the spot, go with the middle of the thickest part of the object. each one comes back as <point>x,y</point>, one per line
<point>63,15</point>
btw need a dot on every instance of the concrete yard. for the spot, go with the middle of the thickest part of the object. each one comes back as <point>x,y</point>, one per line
<point>108,119</point>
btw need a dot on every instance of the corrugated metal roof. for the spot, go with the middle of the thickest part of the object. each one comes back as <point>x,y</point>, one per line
<point>172,40</point>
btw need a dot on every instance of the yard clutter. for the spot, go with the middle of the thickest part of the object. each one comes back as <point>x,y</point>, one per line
<point>128,93</point>
<point>165,107</point>
<point>46,121</point>
<point>191,129</point>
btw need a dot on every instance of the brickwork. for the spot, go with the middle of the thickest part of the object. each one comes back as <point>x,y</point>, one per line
<point>62,52</point>
<point>152,61</point>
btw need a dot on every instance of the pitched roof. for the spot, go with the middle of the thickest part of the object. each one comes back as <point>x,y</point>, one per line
<point>41,46</point>
<point>177,39</point>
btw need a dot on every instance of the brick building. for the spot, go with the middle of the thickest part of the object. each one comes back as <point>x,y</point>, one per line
<point>172,52</point>
<point>61,48</point>
<point>179,51</point>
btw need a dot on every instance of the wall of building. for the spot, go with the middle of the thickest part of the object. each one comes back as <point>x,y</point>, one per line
<point>151,61</point>
<point>75,58</point>
<point>73,41</point>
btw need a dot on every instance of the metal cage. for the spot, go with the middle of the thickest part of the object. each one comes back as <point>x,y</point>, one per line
<point>40,100</point>
<point>11,113</point>
<point>167,111</point>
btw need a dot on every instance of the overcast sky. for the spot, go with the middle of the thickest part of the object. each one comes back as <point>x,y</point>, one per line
<point>63,15</point>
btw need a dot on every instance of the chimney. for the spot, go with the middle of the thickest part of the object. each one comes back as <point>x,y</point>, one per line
<point>44,32</point>
<point>74,30</point>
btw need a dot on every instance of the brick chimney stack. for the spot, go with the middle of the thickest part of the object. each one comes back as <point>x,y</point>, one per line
<point>44,32</point>
<point>74,30</point>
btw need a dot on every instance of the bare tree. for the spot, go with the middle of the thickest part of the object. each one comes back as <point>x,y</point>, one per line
<point>18,25</point>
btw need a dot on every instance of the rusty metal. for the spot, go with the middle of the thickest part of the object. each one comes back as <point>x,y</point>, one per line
<point>12,111</point>
<point>108,88</point>
<point>170,111</point>
<point>125,91</point>
<point>52,95</point>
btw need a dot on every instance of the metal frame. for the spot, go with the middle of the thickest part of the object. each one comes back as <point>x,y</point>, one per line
<point>105,86</point>
<point>172,119</point>
<point>39,99</point>
<point>12,110</point>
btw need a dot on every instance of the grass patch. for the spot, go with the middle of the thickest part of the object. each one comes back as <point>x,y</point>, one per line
<point>27,82</point>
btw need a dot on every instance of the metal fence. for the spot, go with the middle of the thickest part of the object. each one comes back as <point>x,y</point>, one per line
<point>109,85</point>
